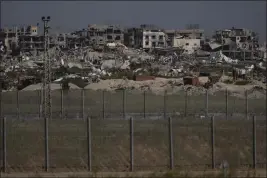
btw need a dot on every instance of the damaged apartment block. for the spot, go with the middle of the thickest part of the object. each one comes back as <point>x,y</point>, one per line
<point>99,35</point>
<point>73,40</point>
<point>190,40</point>
<point>146,37</point>
<point>237,43</point>
<point>23,39</point>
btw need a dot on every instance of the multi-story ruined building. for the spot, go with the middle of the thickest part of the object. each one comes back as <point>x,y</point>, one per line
<point>72,40</point>
<point>26,38</point>
<point>240,38</point>
<point>240,41</point>
<point>146,37</point>
<point>189,39</point>
<point>9,37</point>
<point>170,34</point>
<point>102,34</point>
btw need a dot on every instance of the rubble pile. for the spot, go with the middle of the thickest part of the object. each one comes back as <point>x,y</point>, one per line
<point>116,67</point>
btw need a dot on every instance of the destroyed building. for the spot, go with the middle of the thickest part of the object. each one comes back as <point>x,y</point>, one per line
<point>25,38</point>
<point>72,40</point>
<point>243,38</point>
<point>170,34</point>
<point>241,41</point>
<point>190,40</point>
<point>9,37</point>
<point>102,34</point>
<point>146,37</point>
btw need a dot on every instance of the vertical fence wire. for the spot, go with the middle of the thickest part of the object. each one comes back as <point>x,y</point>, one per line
<point>254,142</point>
<point>89,143</point>
<point>4,149</point>
<point>46,142</point>
<point>212,143</point>
<point>131,144</point>
<point>171,144</point>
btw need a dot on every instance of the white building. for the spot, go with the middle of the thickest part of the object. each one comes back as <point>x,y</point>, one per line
<point>190,39</point>
<point>189,45</point>
<point>153,39</point>
<point>147,36</point>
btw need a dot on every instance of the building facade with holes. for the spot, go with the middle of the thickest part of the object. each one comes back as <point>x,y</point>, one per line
<point>103,34</point>
<point>238,38</point>
<point>190,40</point>
<point>146,37</point>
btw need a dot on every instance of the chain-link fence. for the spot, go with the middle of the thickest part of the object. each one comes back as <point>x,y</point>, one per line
<point>133,144</point>
<point>123,131</point>
<point>125,104</point>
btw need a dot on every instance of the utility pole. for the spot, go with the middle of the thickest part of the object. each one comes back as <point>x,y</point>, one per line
<point>47,73</point>
<point>46,90</point>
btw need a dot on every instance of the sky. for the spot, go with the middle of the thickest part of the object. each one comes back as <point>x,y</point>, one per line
<point>67,16</point>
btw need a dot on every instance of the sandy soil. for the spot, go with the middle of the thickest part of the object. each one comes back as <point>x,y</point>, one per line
<point>172,85</point>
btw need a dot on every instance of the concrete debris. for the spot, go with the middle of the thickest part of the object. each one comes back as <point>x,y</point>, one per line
<point>220,57</point>
<point>116,67</point>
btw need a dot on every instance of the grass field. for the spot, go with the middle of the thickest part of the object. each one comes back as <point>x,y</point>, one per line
<point>111,144</point>
<point>29,104</point>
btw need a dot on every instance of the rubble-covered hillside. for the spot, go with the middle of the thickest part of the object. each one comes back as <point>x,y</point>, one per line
<point>119,67</point>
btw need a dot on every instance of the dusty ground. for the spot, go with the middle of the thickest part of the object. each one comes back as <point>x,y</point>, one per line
<point>188,174</point>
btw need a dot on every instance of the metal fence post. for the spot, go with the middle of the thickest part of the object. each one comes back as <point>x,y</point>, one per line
<point>18,112</point>
<point>4,163</point>
<point>62,103</point>
<point>144,104</point>
<point>103,105</point>
<point>89,140</point>
<point>123,103</point>
<point>46,144</point>
<point>186,103</point>
<point>212,143</point>
<point>131,144</point>
<point>171,143</point>
<point>226,103</point>
<point>82,103</point>
<point>164,103</point>
<point>254,141</point>
<point>246,93</point>
<point>207,103</point>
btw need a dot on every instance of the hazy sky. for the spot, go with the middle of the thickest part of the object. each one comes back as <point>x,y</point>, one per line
<point>67,16</point>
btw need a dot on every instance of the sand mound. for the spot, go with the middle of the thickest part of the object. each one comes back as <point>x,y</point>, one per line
<point>54,86</point>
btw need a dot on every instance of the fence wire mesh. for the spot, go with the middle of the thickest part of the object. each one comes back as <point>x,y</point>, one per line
<point>109,143</point>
